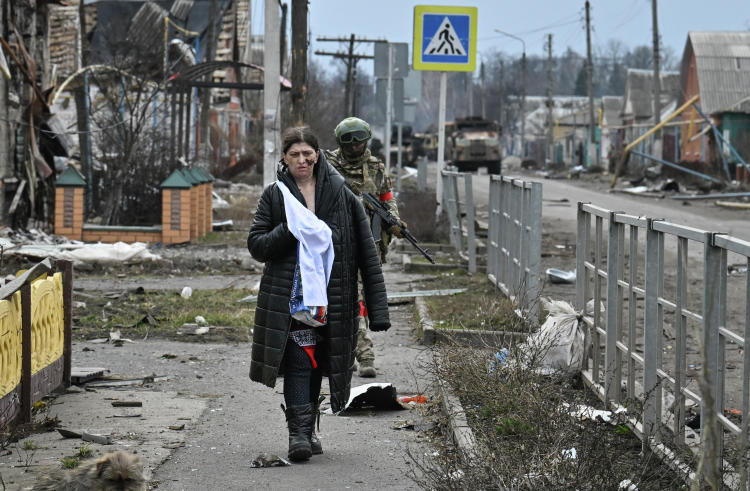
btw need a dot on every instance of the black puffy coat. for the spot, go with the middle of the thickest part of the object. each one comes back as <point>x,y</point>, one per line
<point>354,250</point>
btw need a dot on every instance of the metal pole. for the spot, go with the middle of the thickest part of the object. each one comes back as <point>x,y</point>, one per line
<point>398,158</point>
<point>388,111</point>
<point>551,128</point>
<point>523,104</point>
<point>471,242</point>
<point>590,81</point>
<point>421,173</point>
<point>441,141</point>
<point>657,149</point>
<point>270,90</point>
<point>614,261</point>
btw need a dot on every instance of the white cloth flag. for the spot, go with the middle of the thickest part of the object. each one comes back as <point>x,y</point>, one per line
<point>315,251</point>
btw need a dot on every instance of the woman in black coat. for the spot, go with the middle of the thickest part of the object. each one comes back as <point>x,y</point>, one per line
<point>277,345</point>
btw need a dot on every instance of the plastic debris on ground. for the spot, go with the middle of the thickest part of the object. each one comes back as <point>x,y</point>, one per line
<point>194,329</point>
<point>412,399</point>
<point>114,337</point>
<point>249,299</point>
<point>584,412</point>
<point>571,453</point>
<point>501,359</point>
<point>226,225</point>
<point>200,320</point>
<point>265,460</point>
<point>409,426</point>
<point>560,338</point>
<point>559,276</point>
<point>378,395</point>
<point>627,485</point>
<point>186,292</point>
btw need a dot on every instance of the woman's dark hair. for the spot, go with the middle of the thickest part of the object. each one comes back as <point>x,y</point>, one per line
<point>300,134</point>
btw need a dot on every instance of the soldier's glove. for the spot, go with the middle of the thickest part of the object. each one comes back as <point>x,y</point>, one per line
<point>396,230</point>
<point>379,326</point>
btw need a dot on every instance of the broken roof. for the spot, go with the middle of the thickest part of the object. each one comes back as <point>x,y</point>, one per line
<point>723,65</point>
<point>638,101</point>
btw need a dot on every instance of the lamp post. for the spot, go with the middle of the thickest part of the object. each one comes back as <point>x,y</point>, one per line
<point>523,91</point>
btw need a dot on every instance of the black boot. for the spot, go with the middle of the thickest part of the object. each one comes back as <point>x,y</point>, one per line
<point>315,445</point>
<point>299,420</point>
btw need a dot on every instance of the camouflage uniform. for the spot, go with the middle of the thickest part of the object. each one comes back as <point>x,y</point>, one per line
<point>366,174</point>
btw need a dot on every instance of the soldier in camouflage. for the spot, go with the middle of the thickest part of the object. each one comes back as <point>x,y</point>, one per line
<point>366,174</point>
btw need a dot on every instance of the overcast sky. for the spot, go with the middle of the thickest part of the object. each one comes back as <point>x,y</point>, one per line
<point>626,20</point>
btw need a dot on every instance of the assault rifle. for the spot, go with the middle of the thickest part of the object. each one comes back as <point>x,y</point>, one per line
<point>383,218</point>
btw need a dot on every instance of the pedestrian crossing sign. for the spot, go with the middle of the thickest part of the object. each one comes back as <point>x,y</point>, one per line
<point>445,38</point>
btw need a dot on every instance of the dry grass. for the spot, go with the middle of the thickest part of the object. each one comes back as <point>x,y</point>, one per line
<point>525,434</point>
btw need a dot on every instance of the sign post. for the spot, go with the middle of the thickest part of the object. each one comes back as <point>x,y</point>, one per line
<point>445,40</point>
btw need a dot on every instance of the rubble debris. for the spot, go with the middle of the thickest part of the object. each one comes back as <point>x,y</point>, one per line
<point>225,226</point>
<point>127,403</point>
<point>219,203</point>
<point>711,196</point>
<point>177,427</point>
<point>411,426</point>
<point>559,276</point>
<point>103,437</point>
<point>126,382</point>
<point>584,412</point>
<point>79,305</point>
<point>128,414</point>
<point>264,460</point>
<point>69,433</point>
<point>732,205</point>
<point>426,293</point>
<point>200,320</point>
<point>378,395</point>
<point>193,329</point>
<point>79,375</point>
<point>412,399</point>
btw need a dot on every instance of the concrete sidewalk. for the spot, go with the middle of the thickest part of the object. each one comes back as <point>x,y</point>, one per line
<point>231,420</point>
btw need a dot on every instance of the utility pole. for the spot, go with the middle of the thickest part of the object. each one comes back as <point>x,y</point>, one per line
<point>282,42</point>
<point>657,150</point>
<point>388,111</point>
<point>523,105</point>
<point>550,104</point>
<point>470,76</point>
<point>299,61</point>
<point>355,92</point>
<point>272,72</point>
<point>502,91</point>
<point>81,94</point>
<point>350,59</point>
<point>484,106</point>
<point>590,79</point>
<point>206,95</point>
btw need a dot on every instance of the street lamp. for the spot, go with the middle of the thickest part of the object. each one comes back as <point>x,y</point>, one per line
<point>523,91</point>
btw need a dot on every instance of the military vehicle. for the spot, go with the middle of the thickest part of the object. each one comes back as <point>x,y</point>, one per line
<point>473,142</point>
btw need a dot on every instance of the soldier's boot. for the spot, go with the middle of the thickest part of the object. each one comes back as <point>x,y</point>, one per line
<point>365,354</point>
<point>299,420</point>
<point>315,445</point>
<point>367,369</point>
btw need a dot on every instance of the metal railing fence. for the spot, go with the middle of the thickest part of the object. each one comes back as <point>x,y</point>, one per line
<point>514,240</point>
<point>453,209</point>
<point>612,276</point>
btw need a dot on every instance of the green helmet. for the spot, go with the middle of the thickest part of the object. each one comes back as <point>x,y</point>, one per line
<point>352,130</point>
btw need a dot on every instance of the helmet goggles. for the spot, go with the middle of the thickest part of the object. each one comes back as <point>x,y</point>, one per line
<point>354,137</point>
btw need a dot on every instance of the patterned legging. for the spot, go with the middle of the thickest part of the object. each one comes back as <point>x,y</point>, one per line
<point>301,382</point>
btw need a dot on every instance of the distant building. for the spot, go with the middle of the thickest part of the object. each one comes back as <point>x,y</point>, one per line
<point>716,67</point>
<point>638,100</point>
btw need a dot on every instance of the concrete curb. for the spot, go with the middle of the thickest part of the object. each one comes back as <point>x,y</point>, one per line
<point>451,407</point>
<point>469,337</point>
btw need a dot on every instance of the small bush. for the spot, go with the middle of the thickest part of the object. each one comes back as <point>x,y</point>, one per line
<point>70,462</point>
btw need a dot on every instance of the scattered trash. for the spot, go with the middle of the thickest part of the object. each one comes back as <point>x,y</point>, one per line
<point>219,203</point>
<point>186,293</point>
<point>378,395</point>
<point>733,205</point>
<point>200,320</point>
<point>147,319</point>
<point>693,422</point>
<point>193,329</point>
<point>412,400</point>
<point>571,453</point>
<point>173,445</point>
<point>177,427</point>
<point>501,358</point>
<point>168,356</point>
<point>584,412</point>
<point>249,299</point>
<point>79,305</point>
<point>409,426</point>
<point>74,390</point>
<point>103,437</point>
<point>560,338</point>
<point>627,485</point>
<point>129,414</point>
<point>250,264</point>
<point>559,276</point>
<point>264,460</point>
<point>737,269</point>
